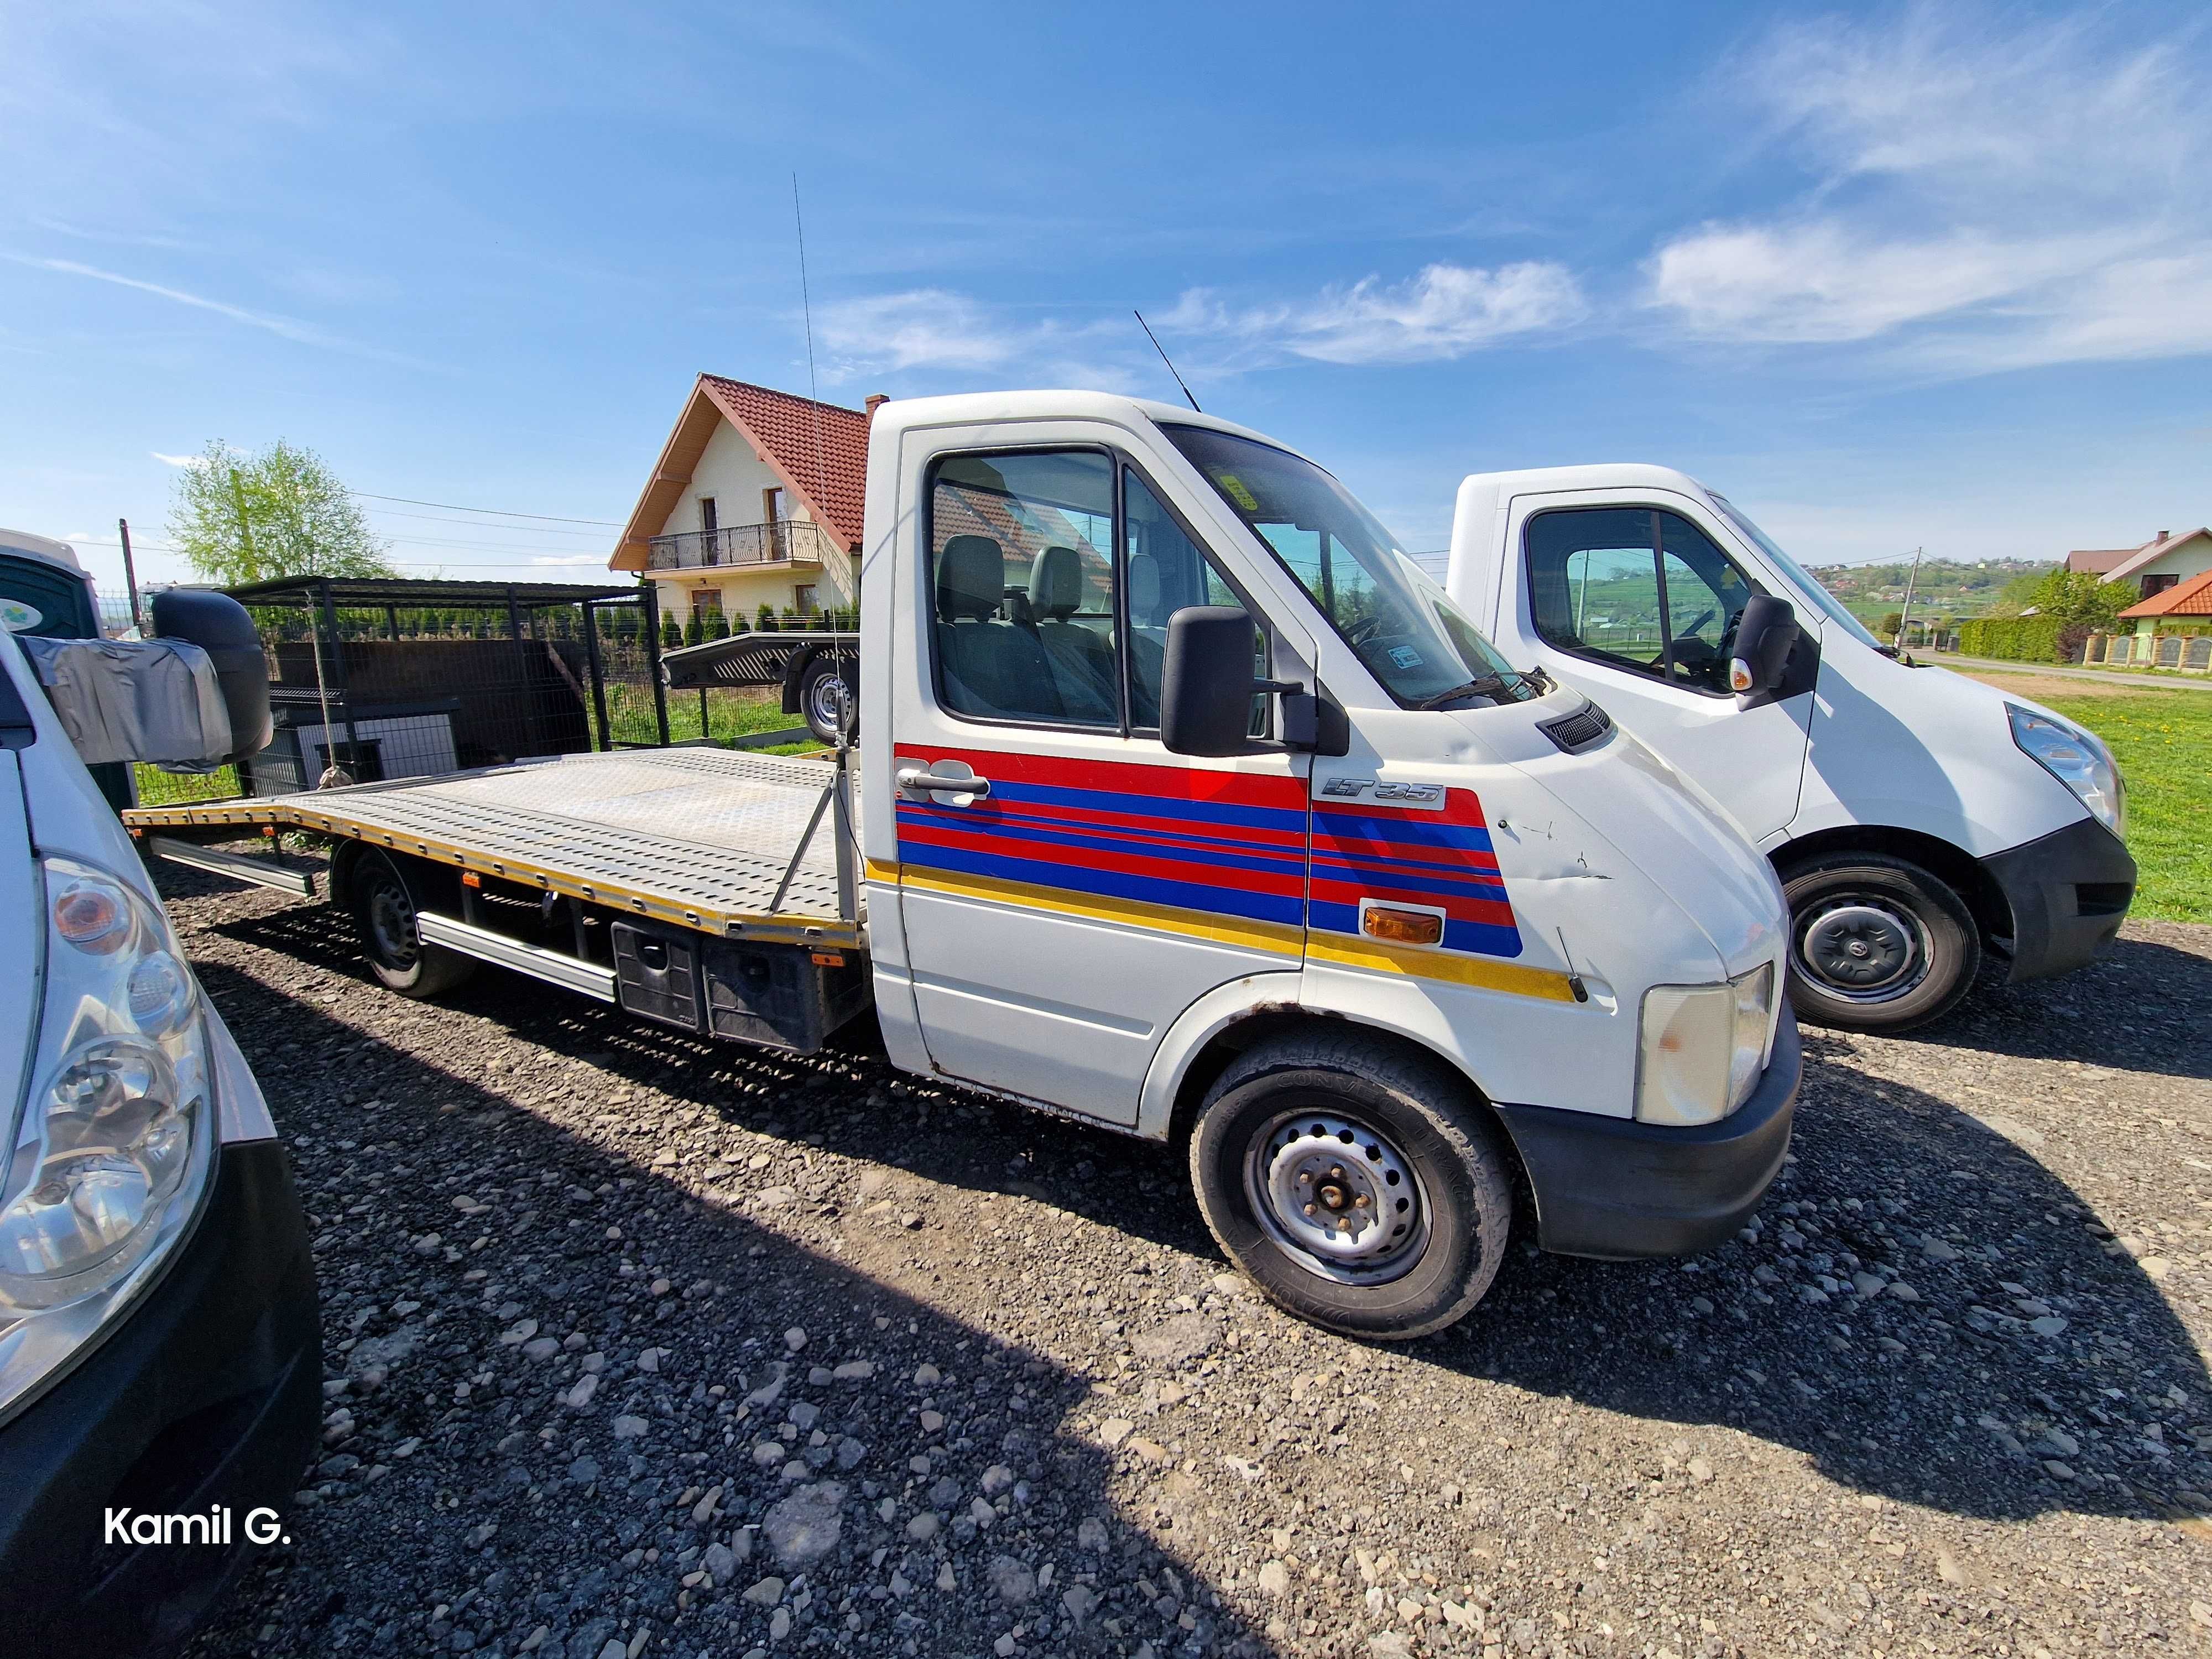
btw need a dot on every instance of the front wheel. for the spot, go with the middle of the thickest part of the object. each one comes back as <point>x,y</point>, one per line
<point>1355,1184</point>
<point>1876,943</point>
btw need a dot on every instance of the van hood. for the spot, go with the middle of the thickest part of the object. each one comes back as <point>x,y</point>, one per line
<point>1669,831</point>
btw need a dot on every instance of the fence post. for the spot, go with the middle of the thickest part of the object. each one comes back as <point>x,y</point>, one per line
<point>330,623</point>
<point>598,671</point>
<point>651,599</point>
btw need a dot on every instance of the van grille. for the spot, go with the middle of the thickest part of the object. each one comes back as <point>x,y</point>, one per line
<point>1583,729</point>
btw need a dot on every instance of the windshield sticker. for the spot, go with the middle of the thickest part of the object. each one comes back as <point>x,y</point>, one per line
<point>19,617</point>
<point>1233,487</point>
<point>1404,656</point>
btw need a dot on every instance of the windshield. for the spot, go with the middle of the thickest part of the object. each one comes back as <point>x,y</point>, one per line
<point>1830,607</point>
<point>1398,623</point>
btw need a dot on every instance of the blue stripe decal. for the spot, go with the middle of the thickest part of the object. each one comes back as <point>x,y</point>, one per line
<point>1291,820</point>
<point>1180,895</point>
<point>1358,826</point>
<point>1169,841</point>
<point>1028,834</point>
<point>1473,887</point>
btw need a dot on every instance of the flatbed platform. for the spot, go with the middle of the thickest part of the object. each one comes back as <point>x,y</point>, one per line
<point>700,838</point>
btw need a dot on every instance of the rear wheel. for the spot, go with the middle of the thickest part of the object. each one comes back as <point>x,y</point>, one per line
<point>824,697</point>
<point>1354,1183</point>
<point>384,912</point>
<point>1876,943</point>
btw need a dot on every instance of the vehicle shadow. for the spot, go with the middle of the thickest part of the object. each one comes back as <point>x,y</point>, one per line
<point>2001,1357</point>
<point>2144,1005</point>
<point>506,1504</point>
<point>1951,1400</point>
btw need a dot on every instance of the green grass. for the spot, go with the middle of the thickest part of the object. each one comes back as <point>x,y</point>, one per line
<point>160,788</point>
<point>730,714</point>
<point>2163,742</point>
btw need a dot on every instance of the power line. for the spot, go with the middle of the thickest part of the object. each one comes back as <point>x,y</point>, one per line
<point>497,512</point>
<point>474,524</point>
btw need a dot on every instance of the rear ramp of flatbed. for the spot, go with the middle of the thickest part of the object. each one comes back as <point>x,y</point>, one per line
<point>697,838</point>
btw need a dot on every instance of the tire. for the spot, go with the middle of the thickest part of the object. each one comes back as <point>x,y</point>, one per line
<point>384,915</point>
<point>1414,1144</point>
<point>1877,944</point>
<point>823,696</point>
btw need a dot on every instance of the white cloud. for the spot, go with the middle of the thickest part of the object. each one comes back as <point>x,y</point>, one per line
<point>924,328</point>
<point>177,460</point>
<point>1975,201</point>
<point>1443,313</point>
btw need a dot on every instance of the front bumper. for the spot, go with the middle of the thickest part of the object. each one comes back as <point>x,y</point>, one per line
<point>206,1395</point>
<point>2069,892</point>
<point>1611,1187</point>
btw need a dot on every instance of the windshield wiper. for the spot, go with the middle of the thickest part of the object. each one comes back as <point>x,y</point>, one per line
<point>1490,685</point>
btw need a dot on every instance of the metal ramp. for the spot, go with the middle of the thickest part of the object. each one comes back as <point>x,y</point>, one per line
<point>704,838</point>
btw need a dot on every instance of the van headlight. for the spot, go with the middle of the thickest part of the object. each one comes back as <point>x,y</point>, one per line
<point>111,1147</point>
<point>1701,1047</point>
<point>2077,759</point>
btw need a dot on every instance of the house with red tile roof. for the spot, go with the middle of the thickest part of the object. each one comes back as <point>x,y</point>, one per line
<point>2163,561</point>
<point>756,499</point>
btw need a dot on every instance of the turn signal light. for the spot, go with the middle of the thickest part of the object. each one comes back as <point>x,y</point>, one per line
<point>1401,926</point>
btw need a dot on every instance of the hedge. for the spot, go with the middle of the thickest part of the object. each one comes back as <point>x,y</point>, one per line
<point>2015,639</point>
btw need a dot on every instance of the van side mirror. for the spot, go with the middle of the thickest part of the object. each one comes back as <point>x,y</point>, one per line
<point>1207,685</point>
<point>1759,661</point>
<point>218,624</point>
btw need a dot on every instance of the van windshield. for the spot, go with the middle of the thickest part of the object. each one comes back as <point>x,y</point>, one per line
<point>1398,623</point>
<point>1804,579</point>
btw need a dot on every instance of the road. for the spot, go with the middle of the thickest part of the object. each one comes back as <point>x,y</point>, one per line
<point>2145,681</point>
<point>641,1347</point>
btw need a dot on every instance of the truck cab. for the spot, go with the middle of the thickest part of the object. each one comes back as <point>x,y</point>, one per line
<point>1921,823</point>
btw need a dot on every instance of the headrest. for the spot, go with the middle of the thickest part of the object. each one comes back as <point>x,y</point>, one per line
<point>971,578</point>
<point>1056,582</point>
<point>1144,590</point>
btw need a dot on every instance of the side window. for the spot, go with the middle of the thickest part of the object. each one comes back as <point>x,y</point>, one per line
<point>1637,589</point>
<point>1166,571</point>
<point>1022,579</point>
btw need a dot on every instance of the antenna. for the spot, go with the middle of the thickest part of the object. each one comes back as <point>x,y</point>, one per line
<point>806,303</point>
<point>1165,358</point>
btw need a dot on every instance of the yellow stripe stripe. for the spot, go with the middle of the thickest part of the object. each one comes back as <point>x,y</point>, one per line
<point>1477,971</point>
<point>1272,937</point>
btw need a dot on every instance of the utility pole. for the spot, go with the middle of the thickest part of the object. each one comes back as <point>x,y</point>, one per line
<point>130,577</point>
<point>1905,614</point>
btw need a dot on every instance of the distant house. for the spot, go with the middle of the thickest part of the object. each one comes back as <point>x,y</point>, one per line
<point>756,500</point>
<point>2172,628</point>
<point>2163,561</point>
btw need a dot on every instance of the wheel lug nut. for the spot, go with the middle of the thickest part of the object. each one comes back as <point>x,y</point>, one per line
<point>1309,1209</point>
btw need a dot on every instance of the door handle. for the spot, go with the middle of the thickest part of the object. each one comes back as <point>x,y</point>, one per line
<point>913,779</point>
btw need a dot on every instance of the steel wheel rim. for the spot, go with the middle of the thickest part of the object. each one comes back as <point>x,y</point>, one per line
<point>827,698</point>
<point>1337,1196</point>
<point>391,923</point>
<point>1862,947</point>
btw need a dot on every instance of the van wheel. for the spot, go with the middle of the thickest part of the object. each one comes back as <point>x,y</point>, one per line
<point>1876,943</point>
<point>822,696</point>
<point>1354,1183</point>
<point>384,912</point>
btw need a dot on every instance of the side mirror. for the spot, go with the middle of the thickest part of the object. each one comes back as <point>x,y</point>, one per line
<point>1765,636</point>
<point>218,624</point>
<point>1206,686</point>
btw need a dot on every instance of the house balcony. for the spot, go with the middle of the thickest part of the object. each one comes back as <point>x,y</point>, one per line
<point>743,547</point>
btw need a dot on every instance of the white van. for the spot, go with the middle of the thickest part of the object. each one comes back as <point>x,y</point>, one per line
<point>1921,823</point>
<point>160,1355</point>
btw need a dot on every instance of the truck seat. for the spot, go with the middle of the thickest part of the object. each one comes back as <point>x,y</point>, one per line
<point>1081,659</point>
<point>991,666</point>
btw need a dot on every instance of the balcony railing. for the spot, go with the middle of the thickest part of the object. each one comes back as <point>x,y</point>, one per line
<point>786,542</point>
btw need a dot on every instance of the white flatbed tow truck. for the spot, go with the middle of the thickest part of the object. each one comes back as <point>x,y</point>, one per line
<point>1193,809</point>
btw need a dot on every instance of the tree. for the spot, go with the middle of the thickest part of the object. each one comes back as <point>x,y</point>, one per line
<point>241,518</point>
<point>1887,628</point>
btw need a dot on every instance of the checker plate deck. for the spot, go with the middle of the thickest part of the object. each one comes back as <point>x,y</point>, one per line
<point>700,837</point>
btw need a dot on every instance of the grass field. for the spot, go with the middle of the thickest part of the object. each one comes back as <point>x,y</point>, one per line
<point>2163,742</point>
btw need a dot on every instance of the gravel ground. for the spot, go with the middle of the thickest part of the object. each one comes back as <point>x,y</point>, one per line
<point>638,1346</point>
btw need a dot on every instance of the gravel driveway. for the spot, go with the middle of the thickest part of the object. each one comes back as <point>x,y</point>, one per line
<point>639,1346</point>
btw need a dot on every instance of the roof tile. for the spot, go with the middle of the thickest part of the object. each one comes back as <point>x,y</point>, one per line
<point>2192,597</point>
<point>824,447</point>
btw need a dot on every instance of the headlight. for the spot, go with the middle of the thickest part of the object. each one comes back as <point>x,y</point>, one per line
<point>2077,759</point>
<point>1703,1047</point>
<point>112,1148</point>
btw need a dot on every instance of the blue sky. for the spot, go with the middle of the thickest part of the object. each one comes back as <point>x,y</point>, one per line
<point>1889,276</point>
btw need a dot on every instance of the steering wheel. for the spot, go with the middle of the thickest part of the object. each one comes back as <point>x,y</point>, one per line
<point>1363,630</point>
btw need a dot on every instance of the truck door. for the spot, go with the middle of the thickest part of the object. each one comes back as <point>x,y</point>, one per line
<point>1635,604</point>
<point>1066,887</point>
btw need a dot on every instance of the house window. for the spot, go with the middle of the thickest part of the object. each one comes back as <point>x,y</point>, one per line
<point>708,519</point>
<point>776,507</point>
<point>707,602</point>
<point>2157,584</point>
<point>803,596</point>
